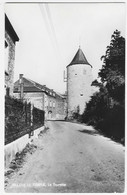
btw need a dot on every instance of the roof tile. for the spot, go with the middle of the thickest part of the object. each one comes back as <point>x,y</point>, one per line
<point>79,58</point>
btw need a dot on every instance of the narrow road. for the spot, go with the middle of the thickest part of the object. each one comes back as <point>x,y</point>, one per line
<point>71,158</point>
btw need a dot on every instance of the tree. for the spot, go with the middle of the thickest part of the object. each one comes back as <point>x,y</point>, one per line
<point>76,113</point>
<point>112,74</point>
<point>106,110</point>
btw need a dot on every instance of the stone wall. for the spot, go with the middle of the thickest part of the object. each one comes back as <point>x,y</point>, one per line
<point>18,145</point>
<point>79,90</point>
<point>9,80</point>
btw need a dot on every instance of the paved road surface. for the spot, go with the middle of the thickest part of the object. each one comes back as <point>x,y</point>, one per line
<point>71,158</point>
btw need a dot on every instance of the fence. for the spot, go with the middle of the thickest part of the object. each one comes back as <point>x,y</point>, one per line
<point>20,118</point>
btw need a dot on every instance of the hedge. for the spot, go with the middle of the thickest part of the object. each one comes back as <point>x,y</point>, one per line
<point>20,119</point>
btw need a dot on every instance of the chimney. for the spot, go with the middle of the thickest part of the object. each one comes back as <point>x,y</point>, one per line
<point>21,86</point>
<point>20,78</point>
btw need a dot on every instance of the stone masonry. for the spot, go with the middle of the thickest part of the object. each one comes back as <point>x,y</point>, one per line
<point>10,39</point>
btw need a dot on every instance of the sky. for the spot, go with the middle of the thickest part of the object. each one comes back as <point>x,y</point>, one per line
<point>50,35</point>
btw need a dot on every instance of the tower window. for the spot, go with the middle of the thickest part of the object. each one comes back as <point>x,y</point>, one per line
<point>84,71</point>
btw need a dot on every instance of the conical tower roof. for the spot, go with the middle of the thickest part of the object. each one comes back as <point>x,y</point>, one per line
<point>79,58</point>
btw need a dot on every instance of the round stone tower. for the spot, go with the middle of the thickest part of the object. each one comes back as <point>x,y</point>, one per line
<point>79,79</point>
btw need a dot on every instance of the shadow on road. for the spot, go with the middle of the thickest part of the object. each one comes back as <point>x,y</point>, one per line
<point>91,132</point>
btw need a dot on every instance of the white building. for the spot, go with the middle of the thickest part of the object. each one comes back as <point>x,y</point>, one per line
<point>79,79</point>
<point>41,97</point>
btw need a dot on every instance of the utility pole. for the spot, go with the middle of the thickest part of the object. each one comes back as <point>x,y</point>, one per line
<point>21,86</point>
<point>64,77</point>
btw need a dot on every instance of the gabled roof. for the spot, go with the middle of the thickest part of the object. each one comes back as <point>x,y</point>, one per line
<point>28,86</point>
<point>32,86</point>
<point>79,58</point>
<point>60,95</point>
<point>9,28</point>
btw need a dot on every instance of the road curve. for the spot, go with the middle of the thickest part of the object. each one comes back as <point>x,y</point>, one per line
<point>71,158</point>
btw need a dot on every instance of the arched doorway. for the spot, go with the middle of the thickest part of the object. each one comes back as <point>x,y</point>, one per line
<point>49,114</point>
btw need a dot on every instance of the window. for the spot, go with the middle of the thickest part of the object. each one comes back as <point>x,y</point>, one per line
<point>53,104</point>
<point>46,102</point>
<point>6,56</point>
<point>84,71</point>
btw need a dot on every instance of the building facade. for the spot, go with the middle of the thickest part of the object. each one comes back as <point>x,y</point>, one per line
<point>41,97</point>
<point>79,80</point>
<point>10,42</point>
